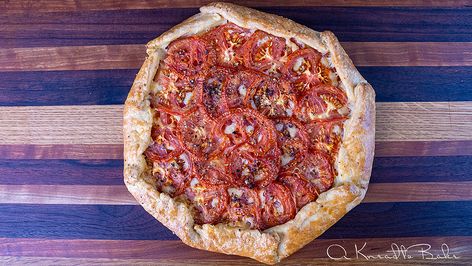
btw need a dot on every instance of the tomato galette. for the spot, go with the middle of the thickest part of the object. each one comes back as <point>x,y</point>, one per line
<point>246,133</point>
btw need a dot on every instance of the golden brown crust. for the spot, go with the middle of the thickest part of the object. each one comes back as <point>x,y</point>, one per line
<point>353,164</point>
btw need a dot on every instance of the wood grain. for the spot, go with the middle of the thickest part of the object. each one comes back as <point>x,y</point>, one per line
<point>412,121</point>
<point>421,169</point>
<point>423,148</point>
<point>64,151</point>
<point>170,249</point>
<point>90,87</point>
<point>131,222</point>
<point>61,172</point>
<point>118,195</point>
<point>115,151</point>
<point>118,27</point>
<point>424,121</point>
<point>72,58</point>
<point>230,261</point>
<point>132,56</point>
<point>409,54</point>
<point>24,6</point>
<point>110,172</point>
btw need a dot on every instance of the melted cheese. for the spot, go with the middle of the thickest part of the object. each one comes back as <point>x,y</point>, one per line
<point>230,128</point>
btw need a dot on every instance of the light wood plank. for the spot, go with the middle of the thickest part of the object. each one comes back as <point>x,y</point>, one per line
<point>24,6</point>
<point>102,124</point>
<point>132,56</point>
<point>423,121</point>
<point>118,195</point>
<point>130,251</point>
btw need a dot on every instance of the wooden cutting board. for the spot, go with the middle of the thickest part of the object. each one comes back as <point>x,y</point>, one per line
<point>66,68</point>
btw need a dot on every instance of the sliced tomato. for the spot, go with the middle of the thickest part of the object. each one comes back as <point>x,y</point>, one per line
<point>317,169</point>
<point>303,190</point>
<point>173,176</point>
<point>212,172</point>
<point>290,129</point>
<point>325,136</point>
<point>244,207</point>
<point>239,88</point>
<point>240,126</point>
<point>262,52</point>
<point>210,202</point>
<point>251,171</point>
<point>271,98</point>
<point>213,98</point>
<point>332,95</point>
<point>196,133</point>
<point>187,56</point>
<point>301,68</point>
<point>226,40</point>
<point>322,102</point>
<point>165,143</point>
<point>175,95</point>
<point>278,205</point>
<point>292,153</point>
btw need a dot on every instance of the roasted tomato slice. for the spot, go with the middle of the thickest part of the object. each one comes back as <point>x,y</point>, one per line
<point>317,169</point>
<point>322,102</point>
<point>271,97</point>
<point>325,136</point>
<point>172,176</point>
<point>213,98</point>
<point>292,140</point>
<point>251,171</point>
<point>227,39</point>
<point>173,94</point>
<point>244,207</point>
<point>241,126</point>
<point>292,153</point>
<point>290,129</point>
<point>262,52</point>
<point>165,143</point>
<point>301,68</point>
<point>303,190</point>
<point>210,201</point>
<point>278,205</point>
<point>239,88</point>
<point>196,133</point>
<point>187,56</point>
<point>213,172</point>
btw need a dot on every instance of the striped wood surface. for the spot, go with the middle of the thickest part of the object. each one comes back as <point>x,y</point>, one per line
<point>66,68</point>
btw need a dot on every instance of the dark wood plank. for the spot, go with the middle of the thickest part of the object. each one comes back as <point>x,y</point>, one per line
<point>409,53</point>
<point>86,87</point>
<point>392,84</point>
<point>133,223</point>
<point>72,58</point>
<point>363,24</point>
<point>62,151</point>
<point>65,172</point>
<point>27,6</point>
<point>419,84</point>
<point>110,172</point>
<point>132,56</point>
<point>421,169</point>
<point>115,151</point>
<point>174,249</point>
